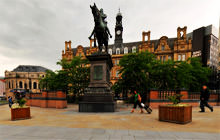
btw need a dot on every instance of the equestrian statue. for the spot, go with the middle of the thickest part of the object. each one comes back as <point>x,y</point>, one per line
<point>100,31</point>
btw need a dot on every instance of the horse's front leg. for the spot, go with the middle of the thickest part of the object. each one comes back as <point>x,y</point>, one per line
<point>108,32</point>
<point>106,49</point>
<point>100,48</point>
<point>91,34</point>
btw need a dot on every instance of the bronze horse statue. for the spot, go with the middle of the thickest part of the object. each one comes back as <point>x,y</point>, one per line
<point>100,31</point>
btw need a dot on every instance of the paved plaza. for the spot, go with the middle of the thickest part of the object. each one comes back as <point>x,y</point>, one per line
<point>69,124</point>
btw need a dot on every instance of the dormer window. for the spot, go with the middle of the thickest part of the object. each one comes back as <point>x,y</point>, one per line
<point>117,51</point>
<point>125,50</point>
<point>134,49</point>
<point>110,51</point>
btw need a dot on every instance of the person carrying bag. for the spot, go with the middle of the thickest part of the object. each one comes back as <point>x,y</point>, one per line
<point>137,101</point>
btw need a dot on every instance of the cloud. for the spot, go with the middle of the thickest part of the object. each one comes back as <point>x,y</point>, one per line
<point>34,31</point>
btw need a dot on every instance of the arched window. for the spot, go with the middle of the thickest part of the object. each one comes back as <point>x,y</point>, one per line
<point>164,58</point>
<point>162,47</point>
<point>30,84</point>
<point>35,85</point>
<point>20,84</point>
<point>179,57</point>
<point>183,57</point>
<point>169,57</point>
<point>134,49</point>
<point>25,86</point>
<point>117,51</point>
<point>110,51</point>
<point>125,50</point>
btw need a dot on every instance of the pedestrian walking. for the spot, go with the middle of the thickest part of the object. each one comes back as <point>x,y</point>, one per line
<point>137,101</point>
<point>204,98</point>
<point>10,101</point>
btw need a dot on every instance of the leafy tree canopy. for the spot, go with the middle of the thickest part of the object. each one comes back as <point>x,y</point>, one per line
<point>142,71</point>
<point>73,77</point>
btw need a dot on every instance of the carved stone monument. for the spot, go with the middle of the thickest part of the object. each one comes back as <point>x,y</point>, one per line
<point>98,96</point>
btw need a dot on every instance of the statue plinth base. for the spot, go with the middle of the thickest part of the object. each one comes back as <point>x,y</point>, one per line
<point>98,96</point>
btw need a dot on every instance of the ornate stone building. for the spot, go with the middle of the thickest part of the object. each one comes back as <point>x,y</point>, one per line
<point>219,49</point>
<point>179,48</point>
<point>24,77</point>
<point>2,87</point>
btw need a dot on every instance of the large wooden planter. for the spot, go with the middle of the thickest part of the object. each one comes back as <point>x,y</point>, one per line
<point>20,113</point>
<point>175,114</point>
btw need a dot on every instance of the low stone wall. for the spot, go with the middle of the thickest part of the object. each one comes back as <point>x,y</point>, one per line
<point>47,99</point>
<point>159,97</point>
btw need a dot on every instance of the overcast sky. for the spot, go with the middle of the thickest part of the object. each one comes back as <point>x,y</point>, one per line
<point>33,32</point>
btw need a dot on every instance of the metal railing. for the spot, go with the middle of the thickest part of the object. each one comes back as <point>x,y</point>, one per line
<point>163,94</point>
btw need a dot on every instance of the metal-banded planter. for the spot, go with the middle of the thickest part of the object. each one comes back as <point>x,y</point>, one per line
<point>175,114</point>
<point>20,113</point>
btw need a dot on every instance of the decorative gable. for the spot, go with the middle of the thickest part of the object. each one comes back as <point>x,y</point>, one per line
<point>80,51</point>
<point>163,45</point>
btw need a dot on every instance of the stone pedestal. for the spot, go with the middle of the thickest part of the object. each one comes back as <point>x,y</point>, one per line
<point>98,96</point>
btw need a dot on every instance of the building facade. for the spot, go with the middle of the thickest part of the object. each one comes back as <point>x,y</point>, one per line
<point>24,77</point>
<point>201,42</point>
<point>219,49</point>
<point>2,87</point>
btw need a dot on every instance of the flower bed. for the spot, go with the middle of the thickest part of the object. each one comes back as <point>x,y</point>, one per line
<point>18,113</point>
<point>180,113</point>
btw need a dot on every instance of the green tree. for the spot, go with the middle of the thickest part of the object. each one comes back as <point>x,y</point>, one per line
<point>199,74</point>
<point>73,77</point>
<point>183,76</point>
<point>163,75</point>
<point>54,81</point>
<point>141,71</point>
<point>135,70</point>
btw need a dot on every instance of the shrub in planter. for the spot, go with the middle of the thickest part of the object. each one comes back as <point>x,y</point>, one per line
<point>21,102</point>
<point>175,99</point>
<point>176,112</point>
<point>20,111</point>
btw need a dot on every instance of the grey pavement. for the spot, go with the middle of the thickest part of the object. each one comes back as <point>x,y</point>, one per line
<point>12,132</point>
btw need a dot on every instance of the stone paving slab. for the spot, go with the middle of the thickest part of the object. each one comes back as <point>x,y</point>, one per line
<point>120,120</point>
<point>9,132</point>
<point>68,124</point>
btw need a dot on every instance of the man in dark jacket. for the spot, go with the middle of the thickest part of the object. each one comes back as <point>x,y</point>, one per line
<point>204,98</point>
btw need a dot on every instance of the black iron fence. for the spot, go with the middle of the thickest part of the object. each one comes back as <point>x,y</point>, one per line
<point>214,95</point>
<point>194,95</point>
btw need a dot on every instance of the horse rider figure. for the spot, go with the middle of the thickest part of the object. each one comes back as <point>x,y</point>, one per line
<point>103,18</point>
<point>100,30</point>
